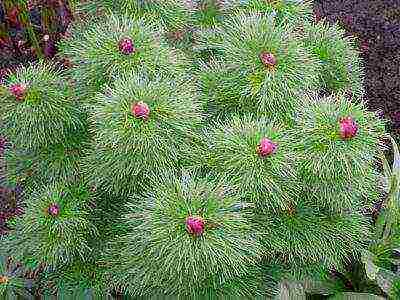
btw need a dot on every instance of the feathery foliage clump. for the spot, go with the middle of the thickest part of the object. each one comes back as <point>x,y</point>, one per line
<point>218,172</point>
<point>267,181</point>
<point>284,10</point>
<point>332,157</point>
<point>97,51</point>
<point>209,14</point>
<point>12,283</point>
<point>46,124</point>
<point>172,13</point>
<point>37,109</point>
<point>241,81</point>
<point>333,165</point>
<point>168,258</point>
<point>340,64</point>
<point>305,236</point>
<point>55,228</point>
<point>129,150</point>
<point>175,16</point>
<point>57,163</point>
<point>303,216</point>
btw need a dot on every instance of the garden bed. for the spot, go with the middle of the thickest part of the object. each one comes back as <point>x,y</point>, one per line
<point>329,196</point>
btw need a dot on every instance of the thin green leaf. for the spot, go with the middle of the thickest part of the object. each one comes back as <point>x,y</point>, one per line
<point>396,158</point>
<point>385,279</point>
<point>386,167</point>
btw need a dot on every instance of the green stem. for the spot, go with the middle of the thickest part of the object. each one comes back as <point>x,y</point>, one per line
<point>25,20</point>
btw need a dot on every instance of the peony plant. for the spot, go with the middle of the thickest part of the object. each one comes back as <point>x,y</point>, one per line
<point>157,172</point>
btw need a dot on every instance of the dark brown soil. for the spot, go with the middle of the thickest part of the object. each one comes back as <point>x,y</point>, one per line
<point>49,20</point>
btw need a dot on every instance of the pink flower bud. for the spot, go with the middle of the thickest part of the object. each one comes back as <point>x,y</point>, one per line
<point>54,210</point>
<point>348,128</point>
<point>126,46</point>
<point>140,110</point>
<point>266,147</point>
<point>195,225</point>
<point>268,59</point>
<point>18,90</point>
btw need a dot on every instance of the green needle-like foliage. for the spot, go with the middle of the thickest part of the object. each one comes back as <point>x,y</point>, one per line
<point>304,236</point>
<point>80,280</point>
<point>45,115</point>
<point>209,14</point>
<point>159,255</point>
<point>325,154</point>
<point>128,151</point>
<point>270,181</point>
<point>338,172</point>
<point>207,17</point>
<point>173,14</point>
<point>55,228</point>
<point>251,85</point>
<point>298,273</point>
<point>294,11</point>
<point>95,52</point>
<point>341,69</point>
<point>348,194</point>
<point>276,179</point>
<point>56,163</point>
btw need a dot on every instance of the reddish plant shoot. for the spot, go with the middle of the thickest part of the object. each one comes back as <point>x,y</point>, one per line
<point>54,210</point>
<point>268,59</point>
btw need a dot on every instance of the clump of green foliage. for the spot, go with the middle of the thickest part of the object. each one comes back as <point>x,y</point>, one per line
<point>166,173</point>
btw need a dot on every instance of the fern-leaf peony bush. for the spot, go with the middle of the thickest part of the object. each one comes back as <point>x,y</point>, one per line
<point>140,127</point>
<point>262,69</point>
<point>116,45</point>
<point>37,108</point>
<point>167,174</point>
<point>185,239</point>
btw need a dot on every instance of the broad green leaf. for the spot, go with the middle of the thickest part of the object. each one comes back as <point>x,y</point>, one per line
<point>386,167</point>
<point>320,287</point>
<point>396,158</point>
<point>395,174</point>
<point>385,280</point>
<point>290,291</point>
<point>380,224</point>
<point>370,268</point>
